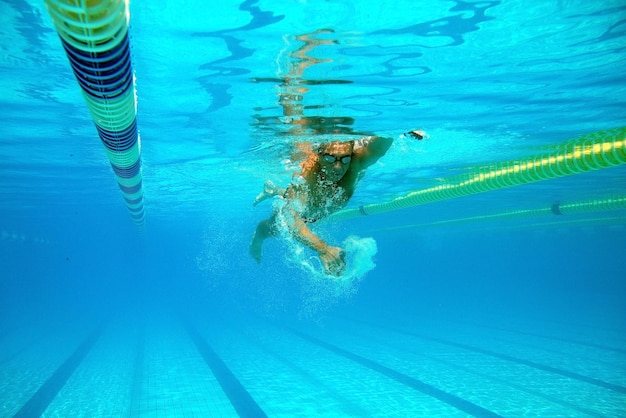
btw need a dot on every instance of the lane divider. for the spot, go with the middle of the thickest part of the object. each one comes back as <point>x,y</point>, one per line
<point>556,209</point>
<point>94,34</point>
<point>591,152</point>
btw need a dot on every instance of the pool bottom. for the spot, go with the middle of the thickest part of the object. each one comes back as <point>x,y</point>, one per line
<point>168,366</point>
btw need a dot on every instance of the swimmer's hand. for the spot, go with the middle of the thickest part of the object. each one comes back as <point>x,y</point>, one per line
<point>269,190</point>
<point>417,134</point>
<point>334,260</point>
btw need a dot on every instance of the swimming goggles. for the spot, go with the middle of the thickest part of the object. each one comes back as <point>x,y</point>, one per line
<point>331,159</point>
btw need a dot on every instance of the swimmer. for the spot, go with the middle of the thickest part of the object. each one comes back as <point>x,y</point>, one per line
<point>327,180</point>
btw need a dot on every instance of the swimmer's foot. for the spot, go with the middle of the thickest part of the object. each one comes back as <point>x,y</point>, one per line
<point>256,248</point>
<point>269,190</point>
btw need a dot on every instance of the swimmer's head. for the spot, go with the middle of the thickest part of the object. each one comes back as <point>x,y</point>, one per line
<point>334,159</point>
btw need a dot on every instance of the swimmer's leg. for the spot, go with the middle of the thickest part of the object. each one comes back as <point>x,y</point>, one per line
<point>269,190</point>
<point>264,230</point>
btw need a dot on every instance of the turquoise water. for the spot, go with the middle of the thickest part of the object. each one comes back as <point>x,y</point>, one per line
<point>451,308</point>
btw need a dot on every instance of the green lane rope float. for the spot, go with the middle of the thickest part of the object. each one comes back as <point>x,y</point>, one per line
<point>94,34</point>
<point>591,152</point>
<point>574,208</point>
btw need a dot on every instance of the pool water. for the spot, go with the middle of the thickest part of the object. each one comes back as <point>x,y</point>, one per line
<point>469,290</point>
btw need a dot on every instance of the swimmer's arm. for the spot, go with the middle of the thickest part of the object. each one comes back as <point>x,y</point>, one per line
<point>333,258</point>
<point>369,149</point>
<point>298,227</point>
<point>304,235</point>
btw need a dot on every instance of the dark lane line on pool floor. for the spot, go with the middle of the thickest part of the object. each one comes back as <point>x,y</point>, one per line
<point>512,359</point>
<point>138,365</point>
<point>476,373</point>
<point>38,403</point>
<point>546,336</point>
<point>448,398</point>
<point>239,397</point>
